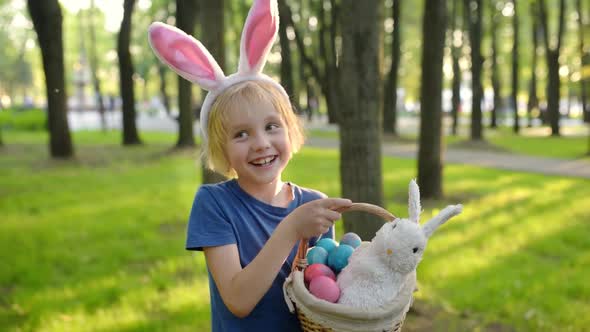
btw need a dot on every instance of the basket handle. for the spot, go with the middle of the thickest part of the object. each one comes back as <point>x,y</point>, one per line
<point>300,261</point>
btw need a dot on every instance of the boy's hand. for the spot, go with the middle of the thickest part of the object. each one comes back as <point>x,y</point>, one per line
<point>316,217</point>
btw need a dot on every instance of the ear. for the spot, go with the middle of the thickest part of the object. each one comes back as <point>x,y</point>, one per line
<point>260,31</point>
<point>414,208</point>
<point>185,55</point>
<point>444,215</point>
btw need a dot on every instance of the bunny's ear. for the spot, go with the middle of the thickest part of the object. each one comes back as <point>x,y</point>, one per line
<point>414,208</point>
<point>441,218</point>
<point>185,55</point>
<point>260,31</point>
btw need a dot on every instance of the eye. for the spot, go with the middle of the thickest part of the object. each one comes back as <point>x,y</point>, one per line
<point>241,134</point>
<point>272,126</point>
<point>394,225</point>
<point>415,250</point>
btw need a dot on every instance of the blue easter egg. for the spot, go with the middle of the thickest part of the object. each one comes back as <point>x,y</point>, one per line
<point>327,244</point>
<point>338,258</point>
<point>351,239</point>
<point>317,255</point>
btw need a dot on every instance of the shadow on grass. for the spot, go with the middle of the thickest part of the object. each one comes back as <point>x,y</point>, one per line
<point>530,284</point>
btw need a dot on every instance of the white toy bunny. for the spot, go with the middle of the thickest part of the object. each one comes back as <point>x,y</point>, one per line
<point>377,270</point>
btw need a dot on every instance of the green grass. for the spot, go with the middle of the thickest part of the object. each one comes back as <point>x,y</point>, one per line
<point>33,119</point>
<point>537,142</point>
<point>532,141</point>
<point>96,244</point>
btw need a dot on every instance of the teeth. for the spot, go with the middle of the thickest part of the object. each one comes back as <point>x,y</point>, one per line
<point>263,161</point>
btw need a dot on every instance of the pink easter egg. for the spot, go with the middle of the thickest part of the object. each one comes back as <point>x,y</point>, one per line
<point>325,288</point>
<point>317,269</point>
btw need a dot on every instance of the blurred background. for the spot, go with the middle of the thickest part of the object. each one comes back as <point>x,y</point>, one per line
<point>484,102</point>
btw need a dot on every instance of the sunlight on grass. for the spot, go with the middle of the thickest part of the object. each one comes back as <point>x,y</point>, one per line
<point>97,243</point>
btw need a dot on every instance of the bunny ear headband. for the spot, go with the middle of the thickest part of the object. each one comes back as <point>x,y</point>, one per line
<point>191,60</point>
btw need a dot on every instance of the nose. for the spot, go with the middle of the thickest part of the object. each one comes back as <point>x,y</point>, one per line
<point>261,142</point>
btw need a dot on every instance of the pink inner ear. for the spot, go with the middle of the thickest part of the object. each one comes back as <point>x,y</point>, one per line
<point>261,30</point>
<point>193,60</point>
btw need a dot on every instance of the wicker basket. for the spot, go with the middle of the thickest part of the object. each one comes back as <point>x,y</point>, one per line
<point>316,315</point>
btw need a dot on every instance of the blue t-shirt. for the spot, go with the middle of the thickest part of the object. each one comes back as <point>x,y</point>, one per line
<point>224,214</point>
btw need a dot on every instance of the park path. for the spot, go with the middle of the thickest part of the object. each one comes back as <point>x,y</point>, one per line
<point>501,160</point>
<point>454,155</point>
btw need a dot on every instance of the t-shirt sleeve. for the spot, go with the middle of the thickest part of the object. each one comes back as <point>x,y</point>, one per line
<point>208,226</point>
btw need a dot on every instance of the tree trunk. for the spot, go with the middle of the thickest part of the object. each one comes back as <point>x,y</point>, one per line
<point>331,71</point>
<point>552,57</point>
<point>495,75</point>
<point>430,145</point>
<point>456,53</point>
<point>47,20</point>
<point>553,91</point>
<point>94,68</point>
<point>514,97</point>
<point>533,102</point>
<point>126,86</point>
<point>286,60</point>
<point>164,89</point>
<point>185,21</point>
<point>583,55</point>
<point>390,100</point>
<point>475,15</point>
<point>360,124</point>
<point>212,21</point>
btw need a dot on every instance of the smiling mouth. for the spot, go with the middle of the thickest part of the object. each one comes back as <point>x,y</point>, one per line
<point>261,162</point>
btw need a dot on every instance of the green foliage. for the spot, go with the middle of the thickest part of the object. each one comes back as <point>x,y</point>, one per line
<point>96,244</point>
<point>33,119</point>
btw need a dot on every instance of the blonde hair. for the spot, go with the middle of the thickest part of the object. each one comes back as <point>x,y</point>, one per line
<point>236,97</point>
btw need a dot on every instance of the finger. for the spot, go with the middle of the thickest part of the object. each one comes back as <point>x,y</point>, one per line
<point>335,203</point>
<point>332,215</point>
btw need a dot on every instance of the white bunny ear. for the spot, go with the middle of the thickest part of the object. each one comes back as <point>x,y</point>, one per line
<point>441,218</point>
<point>260,31</point>
<point>414,208</point>
<point>185,55</point>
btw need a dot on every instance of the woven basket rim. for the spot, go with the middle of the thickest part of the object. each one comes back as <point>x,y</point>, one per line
<point>299,295</point>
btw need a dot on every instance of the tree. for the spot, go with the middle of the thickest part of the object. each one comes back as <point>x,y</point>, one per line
<point>514,95</point>
<point>474,13</point>
<point>495,74</point>
<point>94,67</point>
<point>47,20</point>
<point>126,86</point>
<point>585,107</point>
<point>213,22</point>
<point>430,145</point>
<point>185,21</point>
<point>286,59</point>
<point>533,102</point>
<point>360,121</point>
<point>323,67</point>
<point>552,58</point>
<point>390,100</point>
<point>161,12</point>
<point>457,44</point>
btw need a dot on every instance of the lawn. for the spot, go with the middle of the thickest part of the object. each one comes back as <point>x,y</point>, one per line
<point>96,244</point>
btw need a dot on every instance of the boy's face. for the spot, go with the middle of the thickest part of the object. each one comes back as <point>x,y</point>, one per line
<point>258,146</point>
